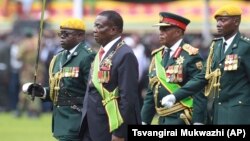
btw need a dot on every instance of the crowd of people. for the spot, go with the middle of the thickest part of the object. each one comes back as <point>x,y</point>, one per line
<point>102,82</point>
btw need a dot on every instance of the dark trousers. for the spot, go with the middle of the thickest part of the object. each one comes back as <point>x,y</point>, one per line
<point>86,135</point>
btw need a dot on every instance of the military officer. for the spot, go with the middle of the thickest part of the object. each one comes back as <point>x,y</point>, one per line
<point>172,65</point>
<point>226,77</point>
<point>68,74</point>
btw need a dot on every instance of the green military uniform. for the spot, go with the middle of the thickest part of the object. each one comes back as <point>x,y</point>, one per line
<point>227,73</point>
<point>230,96</point>
<point>166,75</point>
<point>180,68</point>
<point>68,81</point>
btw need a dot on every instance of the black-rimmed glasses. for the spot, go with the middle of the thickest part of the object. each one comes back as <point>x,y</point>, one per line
<point>64,34</point>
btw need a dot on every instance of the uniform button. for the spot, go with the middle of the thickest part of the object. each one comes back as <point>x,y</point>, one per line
<point>160,86</point>
<point>240,102</point>
<point>57,106</point>
<point>219,103</point>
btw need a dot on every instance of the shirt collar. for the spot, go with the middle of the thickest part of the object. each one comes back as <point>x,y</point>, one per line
<point>229,41</point>
<point>73,49</point>
<point>175,47</point>
<point>110,44</point>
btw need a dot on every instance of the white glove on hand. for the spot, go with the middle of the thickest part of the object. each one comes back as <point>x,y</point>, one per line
<point>38,89</point>
<point>143,123</point>
<point>26,87</point>
<point>168,101</point>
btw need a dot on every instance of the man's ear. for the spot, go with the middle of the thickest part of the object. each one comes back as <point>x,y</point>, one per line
<point>237,21</point>
<point>114,30</point>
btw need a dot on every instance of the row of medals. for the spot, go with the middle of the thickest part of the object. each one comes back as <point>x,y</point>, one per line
<point>231,62</point>
<point>174,73</point>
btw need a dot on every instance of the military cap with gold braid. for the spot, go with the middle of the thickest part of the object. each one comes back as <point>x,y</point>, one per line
<point>73,23</point>
<point>170,19</point>
<point>228,10</point>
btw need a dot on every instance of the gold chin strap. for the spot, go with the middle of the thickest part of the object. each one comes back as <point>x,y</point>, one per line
<point>213,77</point>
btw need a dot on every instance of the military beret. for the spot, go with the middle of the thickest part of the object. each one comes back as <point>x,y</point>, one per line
<point>228,10</point>
<point>170,19</point>
<point>73,23</point>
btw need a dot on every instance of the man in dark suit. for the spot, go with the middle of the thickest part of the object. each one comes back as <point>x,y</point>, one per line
<point>68,73</point>
<point>172,65</point>
<point>112,98</point>
<point>227,72</point>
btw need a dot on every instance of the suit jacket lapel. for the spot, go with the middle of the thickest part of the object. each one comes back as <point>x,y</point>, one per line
<point>111,49</point>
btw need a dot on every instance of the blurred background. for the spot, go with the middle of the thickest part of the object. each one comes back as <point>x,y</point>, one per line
<point>19,28</point>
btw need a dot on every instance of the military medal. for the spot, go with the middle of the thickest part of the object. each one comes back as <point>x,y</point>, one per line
<point>180,74</point>
<point>104,72</point>
<point>231,62</point>
<point>180,60</point>
<point>176,68</point>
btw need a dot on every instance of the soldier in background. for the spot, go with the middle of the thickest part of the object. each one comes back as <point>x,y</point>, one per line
<point>27,55</point>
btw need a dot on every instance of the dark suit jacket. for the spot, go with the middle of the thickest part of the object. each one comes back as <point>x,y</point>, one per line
<point>189,71</point>
<point>232,104</point>
<point>124,75</point>
<point>66,119</point>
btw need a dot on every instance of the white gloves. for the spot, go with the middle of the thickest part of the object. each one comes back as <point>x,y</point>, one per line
<point>26,87</point>
<point>143,123</point>
<point>168,101</point>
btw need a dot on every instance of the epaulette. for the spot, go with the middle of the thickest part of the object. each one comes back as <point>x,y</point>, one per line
<point>59,52</point>
<point>156,50</point>
<point>244,38</point>
<point>191,50</point>
<point>216,39</point>
<point>89,49</point>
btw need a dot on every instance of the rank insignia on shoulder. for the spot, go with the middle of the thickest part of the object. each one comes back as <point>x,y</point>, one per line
<point>244,38</point>
<point>216,39</point>
<point>191,50</point>
<point>199,65</point>
<point>157,50</point>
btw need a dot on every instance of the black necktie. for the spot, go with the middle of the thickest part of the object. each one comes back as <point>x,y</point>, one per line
<point>223,49</point>
<point>65,55</point>
<point>166,56</point>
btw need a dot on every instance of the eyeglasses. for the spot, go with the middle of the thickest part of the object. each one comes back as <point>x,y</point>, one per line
<point>64,34</point>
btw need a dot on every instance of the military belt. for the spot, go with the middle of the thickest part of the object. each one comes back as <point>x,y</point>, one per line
<point>69,101</point>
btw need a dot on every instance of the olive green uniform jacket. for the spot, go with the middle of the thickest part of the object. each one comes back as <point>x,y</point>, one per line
<point>191,66</point>
<point>67,108</point>
<point>231,103</point>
